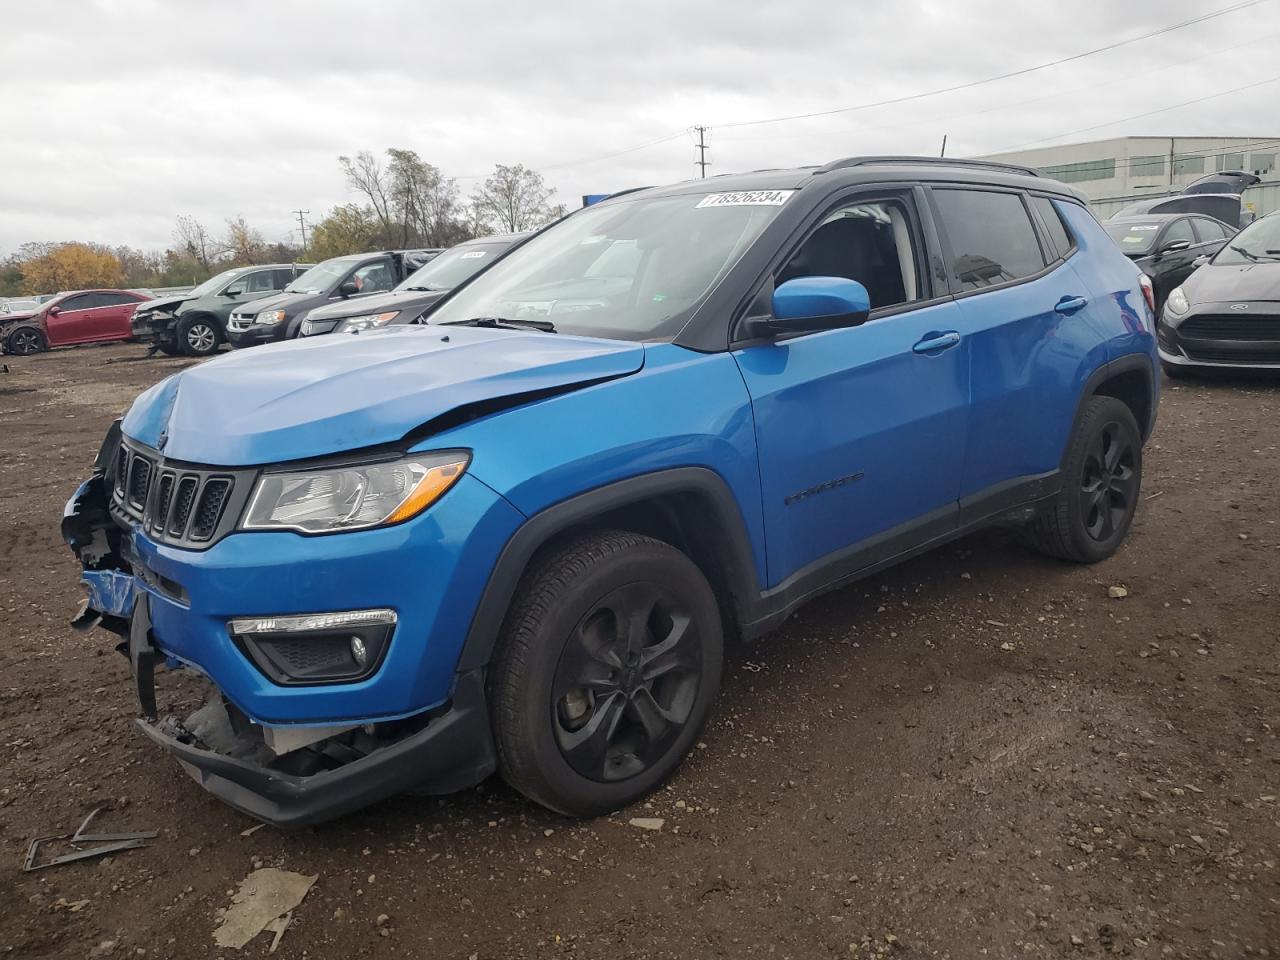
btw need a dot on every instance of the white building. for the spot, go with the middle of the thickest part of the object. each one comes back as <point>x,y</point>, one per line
<point>1113,173</point>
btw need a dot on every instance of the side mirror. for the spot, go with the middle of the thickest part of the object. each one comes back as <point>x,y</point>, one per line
<point>1173,246</point>
<point>1201,260</point>
<point>348,288</point>
<point>54,311</point>
<point>809,304</point>
<point>233,291</point>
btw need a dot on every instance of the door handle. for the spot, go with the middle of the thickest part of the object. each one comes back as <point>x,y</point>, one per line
<point>1070,304</point>
<point>937,342</point>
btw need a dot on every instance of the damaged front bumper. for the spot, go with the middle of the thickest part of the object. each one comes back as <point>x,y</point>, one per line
<point>288,774</point>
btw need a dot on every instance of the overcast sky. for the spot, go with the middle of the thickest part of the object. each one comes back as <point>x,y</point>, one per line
<point>118,115</point>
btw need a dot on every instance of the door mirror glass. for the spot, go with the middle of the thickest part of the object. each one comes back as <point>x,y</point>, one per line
<point>349,288</point>
<point>818,303</point>
<point>233,291</point>
<point>1173,246</point>
<point>54,311</point>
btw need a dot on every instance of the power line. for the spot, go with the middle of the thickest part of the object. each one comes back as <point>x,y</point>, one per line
<point>1138,116</point>
<point>302,225</point>
<point>1003,76</point>
<point>702,162</point>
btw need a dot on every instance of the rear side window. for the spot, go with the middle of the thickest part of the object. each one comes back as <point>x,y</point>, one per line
<point>991,237</point>
<point>1059,235</point>
<point>114,299</point>
<point>1208,230</point>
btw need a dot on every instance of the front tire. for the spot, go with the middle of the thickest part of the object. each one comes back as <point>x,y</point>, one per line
<point>605,672</point>
<point>1101,482</point>
<point>198,336</point>
<point>25,341</point>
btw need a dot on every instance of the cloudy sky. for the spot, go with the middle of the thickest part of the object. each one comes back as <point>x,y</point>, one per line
<point>118,115</point>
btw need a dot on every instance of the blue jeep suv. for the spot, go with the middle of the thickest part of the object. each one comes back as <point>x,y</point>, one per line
<point>517,538</point>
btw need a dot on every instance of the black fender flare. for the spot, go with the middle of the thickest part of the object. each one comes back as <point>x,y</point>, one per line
<point>1130,362</point>
<point>734,552</point>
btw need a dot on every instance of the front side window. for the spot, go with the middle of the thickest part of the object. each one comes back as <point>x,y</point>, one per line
<point>374,277</point>
<point>866,241</point>
<point>1209,230</point>
<point>991,237</point>
<point>632,269</point>
<point>81,302</point>
<point>1259,242</point>
<point>261,281</point>
<point>1180,229</point>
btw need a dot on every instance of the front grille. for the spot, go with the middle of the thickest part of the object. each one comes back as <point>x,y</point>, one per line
<point>1228,354</point>
<point>177,503</point>
<point>139,481</point>
<point>212,499</point>
<point>1213,326</point>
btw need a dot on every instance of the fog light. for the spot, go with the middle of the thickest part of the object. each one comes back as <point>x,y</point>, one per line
<point>358,652</point>
<point>309,648</point>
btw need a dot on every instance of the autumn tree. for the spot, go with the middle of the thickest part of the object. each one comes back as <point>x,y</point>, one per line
<point>69,266</point>
<point>515,199</point>
<point>192,237</point>
<point>244,244</point>
<point>349,228</point>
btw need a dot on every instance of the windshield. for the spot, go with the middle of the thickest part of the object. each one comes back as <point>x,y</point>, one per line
<point>1259,242</point>
<point>1132,236</point>
<point>320,277</point>
<point>632,269</point>
<point>454,266</point>
<point>213,284</point>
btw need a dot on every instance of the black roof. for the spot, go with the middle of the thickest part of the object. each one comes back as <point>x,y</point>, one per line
<point>869,169</point>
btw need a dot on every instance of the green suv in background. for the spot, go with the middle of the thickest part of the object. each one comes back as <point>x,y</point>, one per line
<point>195,323</point>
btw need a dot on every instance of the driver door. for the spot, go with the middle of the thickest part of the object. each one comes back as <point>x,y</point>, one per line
<point>73,323</point>
<point>861,431</point>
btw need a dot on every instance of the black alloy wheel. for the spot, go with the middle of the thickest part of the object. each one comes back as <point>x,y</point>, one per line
<point>626,682</point>
<point>1109,485</point>
<point>25,341</point>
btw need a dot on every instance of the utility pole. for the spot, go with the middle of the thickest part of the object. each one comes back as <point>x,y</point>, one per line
<point>943,151</point>
<point>302,225</point>
<point>702,161</point>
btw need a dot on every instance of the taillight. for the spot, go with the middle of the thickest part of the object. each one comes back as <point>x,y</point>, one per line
<point>1148,292</point>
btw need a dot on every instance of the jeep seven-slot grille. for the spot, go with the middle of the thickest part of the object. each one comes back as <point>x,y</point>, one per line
<point>185,505</point>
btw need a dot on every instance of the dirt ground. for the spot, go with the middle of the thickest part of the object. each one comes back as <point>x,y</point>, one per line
<point>977,754</point>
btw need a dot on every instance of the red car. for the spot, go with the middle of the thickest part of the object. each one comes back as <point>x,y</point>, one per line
<point>85,316</point>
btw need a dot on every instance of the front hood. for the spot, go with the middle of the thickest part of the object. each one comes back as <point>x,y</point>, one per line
<point>161,303</point>
<point>326,395</point>
<point>15,317</point>
<point>376,303</point>
<point>1235,283</point>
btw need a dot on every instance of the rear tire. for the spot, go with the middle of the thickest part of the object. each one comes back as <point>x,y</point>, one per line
<point>198,336</point>
<point>608,662</point>
<point>1101,483</point>
<point>25,341</point>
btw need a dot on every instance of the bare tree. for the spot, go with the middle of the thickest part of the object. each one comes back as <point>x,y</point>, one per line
<point>245,244</point>
<point>515,199</point>
<point>366,175</point>
<point>194,239</point>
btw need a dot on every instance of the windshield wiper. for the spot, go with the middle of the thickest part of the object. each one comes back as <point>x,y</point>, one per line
<point>546,326</point>
<point>1253,256</point>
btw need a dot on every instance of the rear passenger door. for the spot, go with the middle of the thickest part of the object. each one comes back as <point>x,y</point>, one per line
<point>1025,315</point>
<point>860,430</point>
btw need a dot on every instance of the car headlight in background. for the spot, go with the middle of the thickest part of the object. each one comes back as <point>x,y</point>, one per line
<point>353,497</point>
<point>269,316</point>
<point>1176,302</point>
<point>365,321</point>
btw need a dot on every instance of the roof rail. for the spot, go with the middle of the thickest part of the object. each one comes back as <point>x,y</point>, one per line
<point>939,161</point>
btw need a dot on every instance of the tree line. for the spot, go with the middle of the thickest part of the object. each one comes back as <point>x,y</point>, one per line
<point>401,202</point>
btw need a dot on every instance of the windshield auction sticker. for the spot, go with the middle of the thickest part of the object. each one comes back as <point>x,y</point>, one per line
<point>747,198</point>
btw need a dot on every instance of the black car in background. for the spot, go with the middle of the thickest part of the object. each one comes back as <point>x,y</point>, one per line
<point>421,290</point>
<point>1227,314</point>
<point>339,278</point>
<point>1168,247</point>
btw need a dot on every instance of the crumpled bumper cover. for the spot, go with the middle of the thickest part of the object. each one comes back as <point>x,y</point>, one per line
<point>453,752</point>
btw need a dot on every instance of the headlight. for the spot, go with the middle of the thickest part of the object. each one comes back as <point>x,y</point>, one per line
<point>1177,301</point>
<point>355,497</point>
<point>365,321</point>
<point>269,316</point>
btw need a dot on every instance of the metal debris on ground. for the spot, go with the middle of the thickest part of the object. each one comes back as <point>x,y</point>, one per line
<point>111,843</point>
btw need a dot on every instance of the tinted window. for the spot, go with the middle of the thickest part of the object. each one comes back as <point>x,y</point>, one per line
<point>282,278</point>
<point>867,241</point>
<point>1059,237</point>
<point>991,237</point>
<point>82,302</point>
<point>113,299</point>
<point>262,281</point>
<point>1208,230</point>
<point>1180,229</point>
<point>374,277</point>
